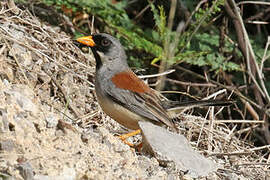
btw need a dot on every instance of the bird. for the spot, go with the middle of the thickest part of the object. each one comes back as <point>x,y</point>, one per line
<point>122,94</point>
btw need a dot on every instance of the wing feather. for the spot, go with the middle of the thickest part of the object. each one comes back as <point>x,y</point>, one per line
<point>135,95</point>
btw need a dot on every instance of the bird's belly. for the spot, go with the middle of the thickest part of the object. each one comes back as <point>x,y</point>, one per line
<point>119,113</point>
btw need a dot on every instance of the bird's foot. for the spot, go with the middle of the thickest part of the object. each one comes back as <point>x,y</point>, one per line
<point>125,136</point>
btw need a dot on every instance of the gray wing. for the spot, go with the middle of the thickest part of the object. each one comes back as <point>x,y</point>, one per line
<point>147,105</point>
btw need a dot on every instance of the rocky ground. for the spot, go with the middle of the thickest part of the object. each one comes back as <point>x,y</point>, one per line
<point>51,126</point>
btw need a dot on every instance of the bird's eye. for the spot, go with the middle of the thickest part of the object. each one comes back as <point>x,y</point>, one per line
<point>105,42</point>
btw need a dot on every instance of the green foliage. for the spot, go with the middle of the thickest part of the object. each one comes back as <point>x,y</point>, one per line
<point>204,47</point>
<point>160,20</point>
<point>209,44</point>
<point>204,11</point>
<point>163,31</point>
<point>201,51</point>
<point>117,21</point>
<point>257,43</point>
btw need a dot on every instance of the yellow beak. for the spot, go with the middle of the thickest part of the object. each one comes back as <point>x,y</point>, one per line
<point>87,40</point>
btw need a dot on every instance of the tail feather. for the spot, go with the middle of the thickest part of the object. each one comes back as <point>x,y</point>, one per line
<point>174,105</point>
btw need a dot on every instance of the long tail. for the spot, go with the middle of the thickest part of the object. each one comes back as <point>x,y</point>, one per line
<point>174,105</point>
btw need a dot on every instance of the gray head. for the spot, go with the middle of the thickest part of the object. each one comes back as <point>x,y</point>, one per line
<point>107,50</point>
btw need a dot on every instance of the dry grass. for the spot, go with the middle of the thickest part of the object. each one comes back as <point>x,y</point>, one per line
<point>61,76</point>
<point>215,139</point>
<point>47,61</point>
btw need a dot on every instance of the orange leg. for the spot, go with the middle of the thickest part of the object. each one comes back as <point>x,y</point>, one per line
<point>125,136</point>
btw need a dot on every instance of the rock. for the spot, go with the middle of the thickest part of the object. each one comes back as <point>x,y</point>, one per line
<point>51,120</point>
<point>67,174</point>
<point>169,147</point>
<point>7,145</point>
<point>3,120</point>
<point>21,95</point>
<point>26,171</point>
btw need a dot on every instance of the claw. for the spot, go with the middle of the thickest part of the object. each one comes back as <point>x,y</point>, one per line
<point>125,136</point>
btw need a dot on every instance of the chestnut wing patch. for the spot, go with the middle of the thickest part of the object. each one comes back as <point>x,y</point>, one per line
<point>136,96</point>
<point>129,81</point>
